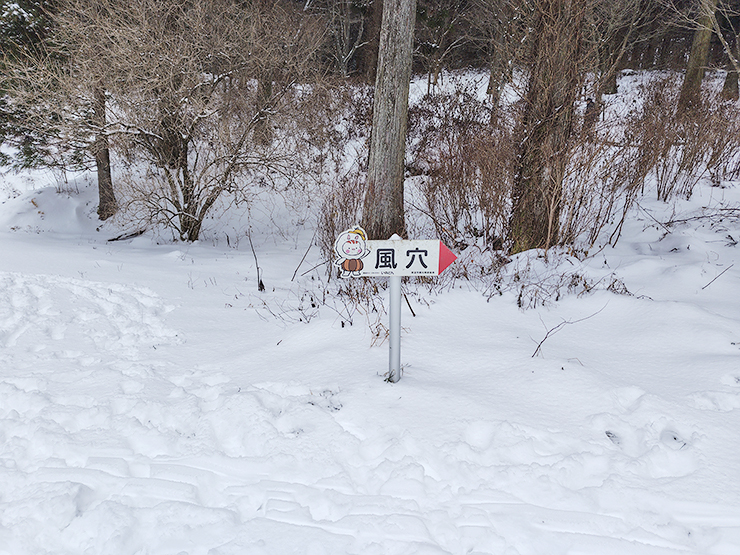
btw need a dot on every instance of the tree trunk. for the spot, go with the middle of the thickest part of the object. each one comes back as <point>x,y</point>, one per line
<point>554,85</point>
<point>497,77</point>
<point>383,213</point>
<point>107,205</point>
<point>263,127</point>
<point>650,56</point>
<point>368,55</point>
<point>730,88</point>
<point>691,89</point>
<point>609,83</point>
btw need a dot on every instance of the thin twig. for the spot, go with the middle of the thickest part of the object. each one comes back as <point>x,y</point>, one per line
<point>661,224</point>
<point>408,303</point>
<point>716,278</point>
<point>704,216</point>
<point>312,269</point>
<point>561,325</point>
<point>718,213</point>
<point>260,285</point>
<point>305,254</point>
<point>126,236</point>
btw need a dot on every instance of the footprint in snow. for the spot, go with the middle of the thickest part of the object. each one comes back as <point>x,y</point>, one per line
<point>715,400</point>
<point>614,438</point>
<point>672,439</point>
<point>668,437</point>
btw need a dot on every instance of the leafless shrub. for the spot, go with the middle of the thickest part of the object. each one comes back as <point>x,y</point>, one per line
<point>476,267</point>
<point>539,278</point>
<point>464,151</point>
<point>340,211</point>
<point>345,118</point>
<point>198,92</point>
<point>331,117</point>
<point>465,160</point>
<point>680,146</point>
<point>602,180</point>
<point>590,193</point>
<point>722,132</point>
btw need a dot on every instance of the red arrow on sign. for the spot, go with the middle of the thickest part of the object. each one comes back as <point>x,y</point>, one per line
<point>446,257</point>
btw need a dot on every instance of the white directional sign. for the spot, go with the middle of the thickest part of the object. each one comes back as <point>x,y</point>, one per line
<point>361,257</point>
<point>396,257</point>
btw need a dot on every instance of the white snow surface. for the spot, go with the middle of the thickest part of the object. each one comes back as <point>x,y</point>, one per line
<point>152,401</point>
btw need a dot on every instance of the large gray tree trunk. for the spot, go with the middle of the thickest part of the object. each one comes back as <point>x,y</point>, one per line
<point>699,56</point>
<point>383,213</point>
<point>107,205</point>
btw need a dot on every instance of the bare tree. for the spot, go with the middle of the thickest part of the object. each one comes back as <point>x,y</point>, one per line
<point>107,204</point>
<point>557,61</point>
<point>440,30</point>
<point>701,16</point>
<point>347,22</point>
<point>730,15</point>
<point>367,55</point>
<point>699,54</point>
<point>730,86</point>
<point>615,27</point>
<point>191,86</point>
<point>558,44</point>
<point>502,26</point>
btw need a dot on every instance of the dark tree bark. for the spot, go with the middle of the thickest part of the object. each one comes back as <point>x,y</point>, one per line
<point>383,213</point>
<point>554,85</point>
<point>367,56</point>
<point>107,205</point>
<point>691,89</point>
<point>497,77</point>
<point>730,88</point>
<point>263,127</point>
<point>732,53</point>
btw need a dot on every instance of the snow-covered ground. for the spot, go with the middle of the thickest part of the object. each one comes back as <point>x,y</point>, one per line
<point>152,401</point>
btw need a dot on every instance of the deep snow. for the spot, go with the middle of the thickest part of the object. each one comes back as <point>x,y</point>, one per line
<point>152,401</point>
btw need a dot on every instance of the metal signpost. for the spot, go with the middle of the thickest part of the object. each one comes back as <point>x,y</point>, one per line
<point>395,258</point>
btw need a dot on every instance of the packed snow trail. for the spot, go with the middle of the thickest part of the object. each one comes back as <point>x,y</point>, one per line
<point>108,446</point>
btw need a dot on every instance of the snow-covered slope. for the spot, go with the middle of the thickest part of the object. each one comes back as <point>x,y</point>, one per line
<point>152,401</point>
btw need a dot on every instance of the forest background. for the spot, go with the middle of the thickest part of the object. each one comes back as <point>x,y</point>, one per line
<point>194,106</point>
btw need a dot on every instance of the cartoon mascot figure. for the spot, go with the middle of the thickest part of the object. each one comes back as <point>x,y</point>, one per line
<point>351,246</point>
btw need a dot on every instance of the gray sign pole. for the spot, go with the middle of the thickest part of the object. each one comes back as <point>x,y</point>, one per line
<point>394,316</point>
<point>394,325</point>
